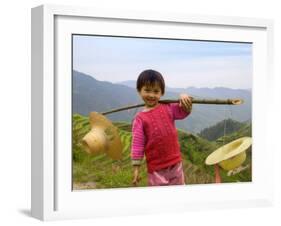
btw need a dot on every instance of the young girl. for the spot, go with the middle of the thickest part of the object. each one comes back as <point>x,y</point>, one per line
<point>155,134</point>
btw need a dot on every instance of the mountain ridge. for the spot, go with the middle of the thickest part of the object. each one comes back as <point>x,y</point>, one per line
<point>90,94</point>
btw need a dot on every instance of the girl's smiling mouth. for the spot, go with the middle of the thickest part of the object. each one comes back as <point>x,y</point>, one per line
<point>150,100</point>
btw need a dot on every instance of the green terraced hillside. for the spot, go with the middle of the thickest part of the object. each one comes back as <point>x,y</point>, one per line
<point>99,171</point>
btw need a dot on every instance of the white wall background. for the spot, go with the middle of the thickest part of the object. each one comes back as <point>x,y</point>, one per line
<point>15,112</point>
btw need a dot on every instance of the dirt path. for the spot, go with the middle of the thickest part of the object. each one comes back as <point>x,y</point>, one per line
<point>87,185</point>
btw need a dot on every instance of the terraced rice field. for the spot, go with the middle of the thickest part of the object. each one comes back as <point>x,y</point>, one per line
<point>99,171</point>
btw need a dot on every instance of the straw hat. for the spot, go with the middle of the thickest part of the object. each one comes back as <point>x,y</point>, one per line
<point>103,137</point>
<point>230,155</point>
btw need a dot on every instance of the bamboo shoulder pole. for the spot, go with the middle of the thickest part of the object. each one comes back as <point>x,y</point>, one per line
<point>194,101</point>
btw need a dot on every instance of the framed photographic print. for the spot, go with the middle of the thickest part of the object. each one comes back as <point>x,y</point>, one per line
<point>113,128</point>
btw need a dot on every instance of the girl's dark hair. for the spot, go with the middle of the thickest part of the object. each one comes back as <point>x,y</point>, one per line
<point>150,78</point>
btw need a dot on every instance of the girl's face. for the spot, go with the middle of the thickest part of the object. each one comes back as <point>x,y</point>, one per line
<point>151,95</point>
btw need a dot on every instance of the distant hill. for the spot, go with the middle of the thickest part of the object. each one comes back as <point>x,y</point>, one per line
<point>90,94</point>
<point>201,92</point>
<point>220,129</point>
<point>129,83</point>
<point>244,131</point>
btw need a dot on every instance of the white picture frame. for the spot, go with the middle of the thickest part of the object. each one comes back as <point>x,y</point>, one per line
<point>52,195</point>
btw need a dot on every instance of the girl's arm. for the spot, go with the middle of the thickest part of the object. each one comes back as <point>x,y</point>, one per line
<point>138,141</point>
<point>181,110</point>
<point>177,112</point>
<point>136,175</point>
<point>185,102</point>
<point>137,149</point>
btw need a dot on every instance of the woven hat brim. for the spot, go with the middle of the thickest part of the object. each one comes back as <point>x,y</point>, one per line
<point>114,145</point>
<point>229,150</point>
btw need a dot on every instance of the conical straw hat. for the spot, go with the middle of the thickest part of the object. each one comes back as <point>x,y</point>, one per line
<point>230,155</point>
<point>103,137</point>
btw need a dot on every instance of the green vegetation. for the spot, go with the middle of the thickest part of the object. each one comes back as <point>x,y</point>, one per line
<point>90,171</point>
<point>216,131</point>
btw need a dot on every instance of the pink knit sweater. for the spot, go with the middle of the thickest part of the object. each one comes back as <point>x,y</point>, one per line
<point>155,136</point>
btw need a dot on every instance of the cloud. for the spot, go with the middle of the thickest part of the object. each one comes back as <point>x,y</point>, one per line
<point>199,64</point>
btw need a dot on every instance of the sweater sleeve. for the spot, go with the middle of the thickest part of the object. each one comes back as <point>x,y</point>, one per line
<point>138,142</point>
<point>178,112</point>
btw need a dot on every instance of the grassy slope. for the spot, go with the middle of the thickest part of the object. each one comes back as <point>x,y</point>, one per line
<point>101,172</point>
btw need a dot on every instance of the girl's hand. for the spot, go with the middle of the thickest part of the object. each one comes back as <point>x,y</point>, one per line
<point>185,102</point>
<point>137,177</point>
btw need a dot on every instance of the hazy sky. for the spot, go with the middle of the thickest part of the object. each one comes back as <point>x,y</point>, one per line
<point>182,63</point>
